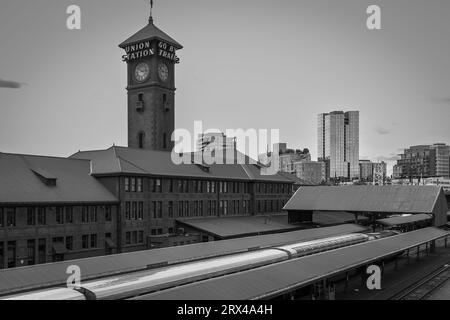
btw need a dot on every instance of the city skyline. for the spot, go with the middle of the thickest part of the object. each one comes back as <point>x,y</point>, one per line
<point>385,74</point>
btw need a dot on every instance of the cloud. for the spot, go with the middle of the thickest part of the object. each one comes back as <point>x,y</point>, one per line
<point>10,84</point>
<point>382,131</point>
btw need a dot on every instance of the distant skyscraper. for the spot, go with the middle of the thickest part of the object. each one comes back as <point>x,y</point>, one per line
<point>214,141</point>
<point>338,143</point>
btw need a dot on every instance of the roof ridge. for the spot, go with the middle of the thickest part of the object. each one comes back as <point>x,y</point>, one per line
<point>134,165</point>
<point>247,172</point>
<point>117,157</point>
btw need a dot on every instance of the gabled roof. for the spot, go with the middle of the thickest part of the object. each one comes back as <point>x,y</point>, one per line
<point>122,160</point>
<point>388,199</point>
<point>150,32</point>
<point>21,181</point>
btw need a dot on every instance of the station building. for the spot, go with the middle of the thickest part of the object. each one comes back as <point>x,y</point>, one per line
<point>52,209</point>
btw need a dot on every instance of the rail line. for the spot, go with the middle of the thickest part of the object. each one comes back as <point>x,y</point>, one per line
<point>424,287</point>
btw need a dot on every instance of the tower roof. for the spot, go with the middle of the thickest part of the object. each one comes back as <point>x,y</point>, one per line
<point>150,32</point>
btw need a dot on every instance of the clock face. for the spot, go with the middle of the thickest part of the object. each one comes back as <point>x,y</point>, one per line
<point>163,71</point>
<point>142,72</point>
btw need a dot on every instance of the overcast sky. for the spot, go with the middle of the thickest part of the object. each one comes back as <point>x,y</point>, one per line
<point>245,64</point>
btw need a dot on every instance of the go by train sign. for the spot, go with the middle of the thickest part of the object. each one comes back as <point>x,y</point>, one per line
<point>145,49</point>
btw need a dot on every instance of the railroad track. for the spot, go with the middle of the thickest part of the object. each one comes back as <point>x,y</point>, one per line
<point>423,288</point>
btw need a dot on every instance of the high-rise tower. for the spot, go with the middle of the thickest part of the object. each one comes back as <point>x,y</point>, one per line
<point>151,57</point>
<point>338,143</point>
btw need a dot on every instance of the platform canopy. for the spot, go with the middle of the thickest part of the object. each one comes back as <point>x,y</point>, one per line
<point>372,199</point>
<point>395,221</point>
<point>279,278</point>
<point>54,274</point>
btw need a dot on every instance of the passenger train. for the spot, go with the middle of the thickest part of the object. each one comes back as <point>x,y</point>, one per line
<point>143,282</point>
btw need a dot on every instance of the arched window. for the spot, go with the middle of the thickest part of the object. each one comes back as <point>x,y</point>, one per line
<point>141,140</point>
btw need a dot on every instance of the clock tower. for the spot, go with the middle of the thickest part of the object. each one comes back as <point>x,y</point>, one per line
<point>151,57</point>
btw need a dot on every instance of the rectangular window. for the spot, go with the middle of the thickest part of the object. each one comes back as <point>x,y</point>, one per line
<point>133,185</point>
<point>158,185</point>
<point>134,206</point>
<point>213,187</point>
<point>200,208</point>
<point>186,208</point>
<point>180,186</point>
<point>225,207</point>
<point>134,237</point>
<point>141,237</point>
<point>139,185</point>
<point>199,187</point>
<point>93,214</point>
<point>42,251</point>
<point>2,220</point>
<point>69,243</point>
<point>160,215</point>
<point>170,187</point>
<point>152,185</point>
<point>2,255</point>
<point>11,259</point>
<point>31,252</point>
<point>69,214</point>
<point>225,187</point>
<point>195,208</point>
<point>93,241</point>
<point>31,216</point>
<point>85,241</point>
<point>221,206</point>
<point>59,215</point>
<point>127,184</point>
<point>194,185</point>
<point>220,186</point>
<point>170,209</point>
<point>154,209</point>
<point>84,214</point>
<point>208,186</point>
<point>10,217</point>
<point>128,238</point>
<point>127,211</point>
<point>141,211</point>
<point>108,214</point>
<point>180,209</point>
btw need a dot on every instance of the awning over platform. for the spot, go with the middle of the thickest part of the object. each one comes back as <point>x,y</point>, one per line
<point>279,278</point>
<point>395,221</point>
<point>227,227</point>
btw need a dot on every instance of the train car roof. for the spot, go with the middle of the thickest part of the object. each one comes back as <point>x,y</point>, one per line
<point>54,274</point>
<point>269,281</point>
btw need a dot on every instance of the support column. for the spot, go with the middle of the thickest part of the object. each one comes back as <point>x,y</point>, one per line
<point>346,280</point>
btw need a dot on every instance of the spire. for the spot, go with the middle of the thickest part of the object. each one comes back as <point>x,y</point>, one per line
<point>150,20</point>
